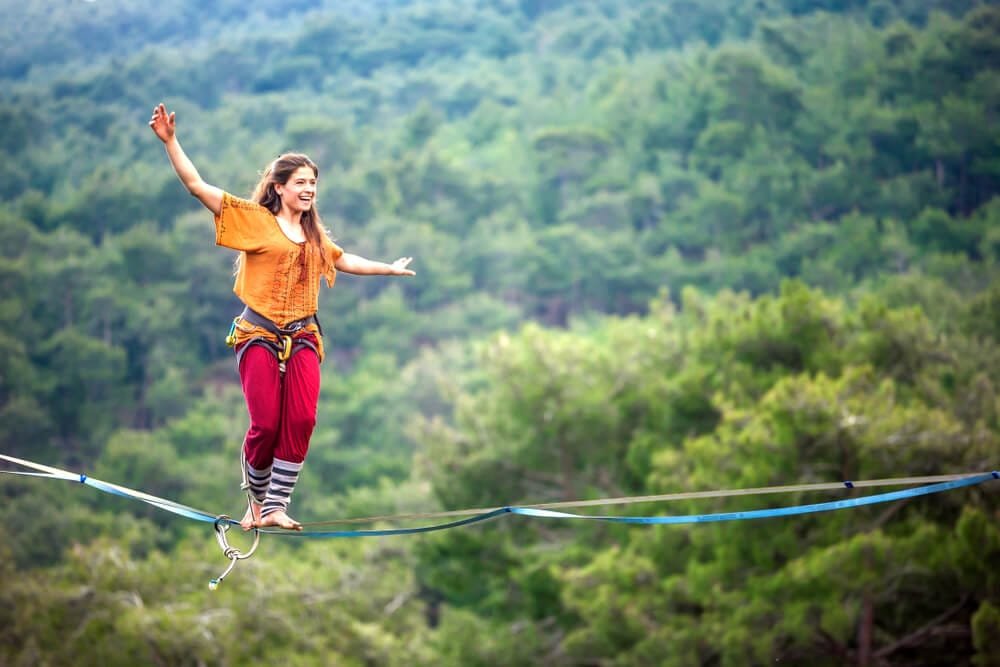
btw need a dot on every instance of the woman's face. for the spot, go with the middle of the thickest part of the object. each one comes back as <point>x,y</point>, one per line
<point>299,192</point>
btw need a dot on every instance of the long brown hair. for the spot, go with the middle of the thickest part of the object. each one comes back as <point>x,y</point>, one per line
<point>278,173</point>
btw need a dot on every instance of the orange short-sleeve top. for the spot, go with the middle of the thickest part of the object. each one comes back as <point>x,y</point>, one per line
<point>277,277</point>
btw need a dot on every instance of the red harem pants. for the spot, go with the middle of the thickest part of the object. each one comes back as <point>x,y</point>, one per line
<point>282,408</point>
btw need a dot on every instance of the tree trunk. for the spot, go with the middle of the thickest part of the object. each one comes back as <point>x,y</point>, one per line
<point>865,630</point>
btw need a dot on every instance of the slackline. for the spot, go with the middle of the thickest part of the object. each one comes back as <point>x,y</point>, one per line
<point>222,523</point>
<point>930,485</point>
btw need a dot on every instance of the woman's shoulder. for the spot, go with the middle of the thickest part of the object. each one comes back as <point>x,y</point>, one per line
<point>232,201</point>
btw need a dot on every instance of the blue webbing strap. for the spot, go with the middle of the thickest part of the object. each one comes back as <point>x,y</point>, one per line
<point>32,474</point>
<point>43,470</point>
<point>163,504</point>
<point>661,520</point>
<point>769,513</point>
<point>107,487</point>
<point>199,515</point>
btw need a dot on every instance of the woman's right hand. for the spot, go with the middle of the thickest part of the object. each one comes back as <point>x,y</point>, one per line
<point>162,123</point>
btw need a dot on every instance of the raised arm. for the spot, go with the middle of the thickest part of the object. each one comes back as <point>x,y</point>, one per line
<point>164,126</point>
<point>356,264</point>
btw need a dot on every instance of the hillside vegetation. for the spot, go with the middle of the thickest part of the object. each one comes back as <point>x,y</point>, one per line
<point>661,245</point>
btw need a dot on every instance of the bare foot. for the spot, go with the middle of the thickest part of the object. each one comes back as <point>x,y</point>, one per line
<point>252,518</point>
<point>280,520</point>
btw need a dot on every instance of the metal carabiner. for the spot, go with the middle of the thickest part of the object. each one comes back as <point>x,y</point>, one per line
<point>231,336</point>
<point>286,348</point>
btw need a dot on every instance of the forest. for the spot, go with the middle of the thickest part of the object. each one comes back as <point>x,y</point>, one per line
<point>661,246</point>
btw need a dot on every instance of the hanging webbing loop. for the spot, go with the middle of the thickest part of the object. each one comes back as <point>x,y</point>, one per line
<point>222,525</point>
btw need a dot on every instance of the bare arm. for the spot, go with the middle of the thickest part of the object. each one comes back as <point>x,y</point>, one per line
<point>356,264</point>
<point>164,126</point>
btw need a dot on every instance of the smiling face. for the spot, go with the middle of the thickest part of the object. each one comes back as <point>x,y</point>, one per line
<point>299,192</point>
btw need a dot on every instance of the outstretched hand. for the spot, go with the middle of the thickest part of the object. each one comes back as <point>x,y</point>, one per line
<point>399,267</point>
<point>162,123</point>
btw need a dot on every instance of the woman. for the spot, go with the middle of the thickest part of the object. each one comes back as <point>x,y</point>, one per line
<point>284,251</point>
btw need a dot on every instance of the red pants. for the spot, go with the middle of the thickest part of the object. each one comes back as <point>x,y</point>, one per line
<point>282,408</point>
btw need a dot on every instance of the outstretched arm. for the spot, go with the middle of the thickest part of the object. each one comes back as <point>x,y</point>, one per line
<point>356,264</point>
<point>164,126</point>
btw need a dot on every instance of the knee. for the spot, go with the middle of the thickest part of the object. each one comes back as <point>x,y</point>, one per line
<point>263,430</point>
<point>303,424</point>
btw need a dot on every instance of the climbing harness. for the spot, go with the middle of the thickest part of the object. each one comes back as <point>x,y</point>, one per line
<point>222,523</point>
<point>287,340</point>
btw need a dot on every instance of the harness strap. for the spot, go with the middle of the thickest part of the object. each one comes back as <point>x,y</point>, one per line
<point>296,345</point>
<point>253,317</point>
<point>287,343</point>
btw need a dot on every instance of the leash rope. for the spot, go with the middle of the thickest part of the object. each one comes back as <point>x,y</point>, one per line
<point>222,523</point>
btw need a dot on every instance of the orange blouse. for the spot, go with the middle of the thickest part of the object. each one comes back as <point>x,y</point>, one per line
<point>277,277</point>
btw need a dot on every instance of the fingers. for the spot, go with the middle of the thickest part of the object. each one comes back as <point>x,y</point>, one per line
<point>401,264</point>
<point>160,112</point>
<point>162,123</point>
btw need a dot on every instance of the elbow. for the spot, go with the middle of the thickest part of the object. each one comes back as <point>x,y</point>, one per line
<point>195,188</point>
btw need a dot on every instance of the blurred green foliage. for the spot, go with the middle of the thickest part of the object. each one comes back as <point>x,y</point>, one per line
<point>661,245</point>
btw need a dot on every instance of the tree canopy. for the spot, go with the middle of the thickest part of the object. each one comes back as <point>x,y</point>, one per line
<point>661,245</point>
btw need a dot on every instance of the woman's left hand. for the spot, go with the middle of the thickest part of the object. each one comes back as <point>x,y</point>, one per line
<point>399,267</point>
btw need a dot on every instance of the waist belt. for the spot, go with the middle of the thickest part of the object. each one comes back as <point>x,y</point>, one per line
<point>283,334</point>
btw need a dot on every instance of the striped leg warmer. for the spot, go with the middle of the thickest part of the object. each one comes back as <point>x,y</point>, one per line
<point>258,481</point>
<point>284,474</point>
